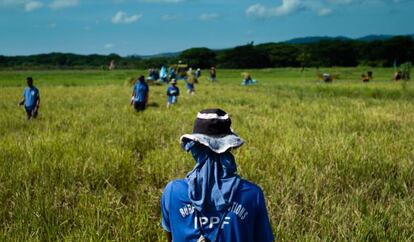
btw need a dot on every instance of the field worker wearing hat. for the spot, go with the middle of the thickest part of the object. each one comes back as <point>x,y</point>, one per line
<point>31,99</point>
<point>213,203</point>
<point>172,93</point>
<point>213,74</point>
<point>140,94</point>
<point>191,80</point>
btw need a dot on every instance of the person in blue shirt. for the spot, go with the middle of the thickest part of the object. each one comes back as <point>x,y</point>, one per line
<point>164,74</point>
<point>248,80</point>
<point>140,94</point>
<point>31,99</point>
<point>213,203</point>
<point>173,75</point>
<point>172,93</point>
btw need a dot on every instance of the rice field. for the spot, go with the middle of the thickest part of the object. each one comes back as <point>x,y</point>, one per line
<point>335,161</point>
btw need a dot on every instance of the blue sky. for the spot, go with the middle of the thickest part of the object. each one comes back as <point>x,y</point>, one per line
<point>146,27</point>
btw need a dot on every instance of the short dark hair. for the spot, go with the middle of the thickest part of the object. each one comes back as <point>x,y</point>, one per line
<point>29,81</point>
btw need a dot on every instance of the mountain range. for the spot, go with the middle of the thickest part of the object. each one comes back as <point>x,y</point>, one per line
<point>302,40</point>
<point>315,39</point>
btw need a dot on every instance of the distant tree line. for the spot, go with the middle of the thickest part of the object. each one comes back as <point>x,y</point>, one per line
<point>326,53</point>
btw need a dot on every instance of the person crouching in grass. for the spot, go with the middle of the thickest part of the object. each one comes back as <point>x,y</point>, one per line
<point>172,93</point>
<point>213,203</point>
<point>31,99</point>
<point>140,94</point>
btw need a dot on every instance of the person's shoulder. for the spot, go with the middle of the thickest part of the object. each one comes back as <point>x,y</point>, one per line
<point>177,184</point>
<point>251,192</point>
<point>247,186</point>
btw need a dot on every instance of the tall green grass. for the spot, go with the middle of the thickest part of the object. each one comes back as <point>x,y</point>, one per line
<point>335,160</point>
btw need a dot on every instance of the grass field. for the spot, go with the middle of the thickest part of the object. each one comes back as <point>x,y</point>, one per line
<point>335,161</point>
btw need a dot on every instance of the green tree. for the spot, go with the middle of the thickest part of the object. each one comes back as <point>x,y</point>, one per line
<point>199,57</point>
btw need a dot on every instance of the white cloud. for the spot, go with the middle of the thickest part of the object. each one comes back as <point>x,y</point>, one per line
<point>324,11</point>
<point>123,18</point>
<point>6,3</point>
<point>208,16</point>
<point>319,7</point>
<point>59,4</point>
<point>287,7</point>
<point>109,46</point>
<point>32,5</point>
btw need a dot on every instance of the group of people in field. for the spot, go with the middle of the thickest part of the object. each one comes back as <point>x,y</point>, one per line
<point>140,91</point>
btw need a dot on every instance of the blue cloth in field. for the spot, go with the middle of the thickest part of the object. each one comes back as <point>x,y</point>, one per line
<point>246,220</point>
<point>141,91</point>
<point>213,181</point>
<point>31,96</point>
<point>172,93</point>
<point>190,86</point>
<point>163,72</point>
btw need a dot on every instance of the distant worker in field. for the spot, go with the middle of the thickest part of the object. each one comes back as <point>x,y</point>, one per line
<point>397,75</point>
<point>364,78</point>
<point>213,74</point>
<point>140,94</point>
<point>367,77</point>
<point>326,77</point>
<point>164,74</point>
<point>31,99</point>
<point>172,74</point>
<point>172,93</point>
<point>247,79</point>
<point>112,65</point>
<point>213,203</point>
<point>191,80</point>
<point>198,73</point>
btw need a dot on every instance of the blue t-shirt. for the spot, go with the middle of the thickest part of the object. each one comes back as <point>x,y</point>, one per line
<point>141,90</point>
<point>31,95</point>
<point>246,220</point>
<point>172,93</point>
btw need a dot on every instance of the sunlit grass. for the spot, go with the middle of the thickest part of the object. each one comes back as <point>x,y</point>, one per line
<point>335,160</point>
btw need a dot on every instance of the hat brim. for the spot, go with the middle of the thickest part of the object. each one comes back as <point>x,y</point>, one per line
<point>218,144</point>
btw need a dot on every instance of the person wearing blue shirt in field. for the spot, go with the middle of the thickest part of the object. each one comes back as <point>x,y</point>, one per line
<point>173,75</point>
<point>140,94</point>
<point>172,93</point>
<point>31,99</point>
<point>213,203</point>
<point>164,74</point>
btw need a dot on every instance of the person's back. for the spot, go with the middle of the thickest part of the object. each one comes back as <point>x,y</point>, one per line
<point>31,95</point>
<point>213,203</point>
<point>141,90</point>
<point>140,94</point>
<point>245,220</point>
